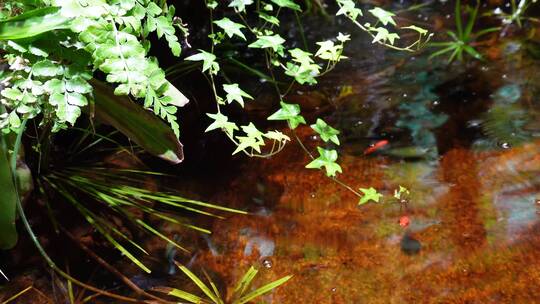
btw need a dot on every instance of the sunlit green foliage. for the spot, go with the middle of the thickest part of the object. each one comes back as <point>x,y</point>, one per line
<point>49,74</point>
<point>463,37</point>
<point>240,295</point>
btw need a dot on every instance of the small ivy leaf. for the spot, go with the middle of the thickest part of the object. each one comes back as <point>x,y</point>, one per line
<point>420,30</point>
<point>271,19</point>
<point>383,35</point>
<point>384,17</point>
<point>234,93</point>
<point>252,131</point>
<point>329,51</point>
<point>343,37</point>
<point>240,5</point>
<point>325,131</point>
<point>326,159</point>
<point>369,195</point>
<point>290,113</point>
<point>254,139</point>
<point>347,7</point>
<point>208,59</point>
<point>231,28</point>
<point>221,122</point>
<point>278,136</point>
<point>274,42</point>
<point>287,3</point>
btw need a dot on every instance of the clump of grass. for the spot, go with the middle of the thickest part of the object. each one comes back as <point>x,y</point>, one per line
<point>240,295</point>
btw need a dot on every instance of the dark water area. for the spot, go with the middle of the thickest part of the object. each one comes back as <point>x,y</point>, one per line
<point>464,138</point>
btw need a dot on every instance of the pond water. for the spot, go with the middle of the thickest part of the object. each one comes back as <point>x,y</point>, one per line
<point>464,139</point>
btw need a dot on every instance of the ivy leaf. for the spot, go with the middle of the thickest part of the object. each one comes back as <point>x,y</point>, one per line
<point>325,131</point>
<point>384,17</point>
<point>369,195</point>
<point>278,136</point>
<point>271,19</point>
<point>254,139</point>
<point>234,93</point>
<point>326,159</point>
<point>240,5</point>
<point>329,51</point>
<point>208,59</point>
<point>383,35</point>
<point>347,7</point>
<point>290,113</point>
<point>221,122</point>
<point>287,3</point>
<point>231,28</point>
<point>420,30</point>
<point>274,42</point>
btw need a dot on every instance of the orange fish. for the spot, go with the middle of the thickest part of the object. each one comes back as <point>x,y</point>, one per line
<point>404,221</point>
<point>376,146</point>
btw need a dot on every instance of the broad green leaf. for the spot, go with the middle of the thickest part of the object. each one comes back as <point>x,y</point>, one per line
<point>287,3</point>
<point>369,195</point>
<point>33,23</point>
<point>141,126</point>
<point>384,17</point>
<point>290,113</point>
<point>231,28</point>
<point>325,131</point>
<point>234,93</point>
<point>8,200</point>
<point>326,159</point>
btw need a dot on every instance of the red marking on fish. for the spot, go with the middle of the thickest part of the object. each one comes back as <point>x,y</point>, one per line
<point>404,221</point>
<point>376,146</point>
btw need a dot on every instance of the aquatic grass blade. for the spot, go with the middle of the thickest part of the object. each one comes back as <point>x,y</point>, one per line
<point>184,295</point>
<point>457,13</point>
<point>160,235</point>
<point>199,283</point>
<point>471,21</point>
<point>262,290</point>
<point>244,282</point>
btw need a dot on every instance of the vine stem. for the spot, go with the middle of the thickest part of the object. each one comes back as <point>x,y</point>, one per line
<point>33,237</point>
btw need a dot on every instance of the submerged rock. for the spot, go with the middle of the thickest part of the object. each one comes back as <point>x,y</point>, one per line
<point>410,245</point>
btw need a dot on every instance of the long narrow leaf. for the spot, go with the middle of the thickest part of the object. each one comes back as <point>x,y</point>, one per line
<point>191,298</point>
<point>260,291</point>
<point>244,282</point>
<point>33,23</point>
<point>8,201</point>
<point>199,283</point>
